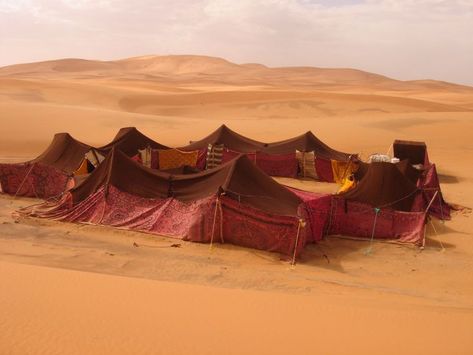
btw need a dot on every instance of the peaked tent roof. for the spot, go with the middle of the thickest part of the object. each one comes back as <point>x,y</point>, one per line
<point>64,153</point>
<point>306,142</point>
<point>384,185</point>
<point>234,141</point>
<point>239,179</point>
<point>228,137</point>
<point>129,140</point>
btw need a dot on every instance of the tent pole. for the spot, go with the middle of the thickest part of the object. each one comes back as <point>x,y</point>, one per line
<point>23,182</point>
<point>431,201</point>
<point>213,224</point>
<point>389,149</point>
<point>426,210</point>
<point>299,226</point>
<point>376,212</point>
<point>221,221</point>
<point>435,231</point>
<point>346,168</point>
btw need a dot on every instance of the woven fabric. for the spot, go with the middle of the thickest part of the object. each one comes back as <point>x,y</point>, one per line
<point>154,159</point>
<point>306,162</point>
<point>236,223</point>
<point>356,219</point>
<point>342,170</point>
<point>202,159</point>
<point>214,155</point>
<point>430,183</point>
<point>228,155</point>
<point>324,170</point>
<point>145,155</point>
<point>33,180</point>
<point>174,158</point>
<point>317,207</point>
<point>347,185</point>
<point>284,165</point>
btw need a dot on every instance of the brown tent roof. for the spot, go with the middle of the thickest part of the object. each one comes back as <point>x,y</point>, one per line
<point>228,137</point>
<point>404,166</point>
<point>306,142</point>
<point>129,140</point>
<point>234,141</point>
<point>384,185</point>
<point>64,153</point>
<point>414,151</point>
<point>239,179</point>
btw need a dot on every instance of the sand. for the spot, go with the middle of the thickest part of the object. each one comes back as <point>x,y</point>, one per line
<point>84,289</point>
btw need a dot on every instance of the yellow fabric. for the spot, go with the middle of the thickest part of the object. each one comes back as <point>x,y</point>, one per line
<point>174,158</point>
<point>347,184</point>
<point>82,168</point>
<point>342,170</point>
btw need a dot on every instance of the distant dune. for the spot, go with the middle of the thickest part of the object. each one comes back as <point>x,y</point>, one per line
<point>211,68</point>
<point>174,91</point>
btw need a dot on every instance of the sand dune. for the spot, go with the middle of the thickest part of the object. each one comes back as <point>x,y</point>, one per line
<point>82,289</point>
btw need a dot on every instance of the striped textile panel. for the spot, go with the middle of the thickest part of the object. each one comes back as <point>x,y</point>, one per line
<point>214,155</point>
<point>306,161</point>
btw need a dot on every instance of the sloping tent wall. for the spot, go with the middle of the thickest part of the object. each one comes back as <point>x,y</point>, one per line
<point>426,180</point>
<point>49,174</point>
<point>235,203</point>
<point>277,158</point>
<point>384,204</point>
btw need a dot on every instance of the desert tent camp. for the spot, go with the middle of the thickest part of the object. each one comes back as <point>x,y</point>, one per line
<point>49,174</point>
<point>235,203</point>
<point>384,204</point>
<point>304,154</point>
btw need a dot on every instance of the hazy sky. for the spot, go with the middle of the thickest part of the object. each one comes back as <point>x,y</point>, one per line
<point>404,39</point>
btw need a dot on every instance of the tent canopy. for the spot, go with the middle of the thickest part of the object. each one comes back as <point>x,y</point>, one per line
<point>306,142</point>
<point>238,179</point>
<point>384,185</point>
<point>414,151</point>
<point>129,140</point>
<point>229,138</point>
<point>64,153</point>
<point>404,166</point>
